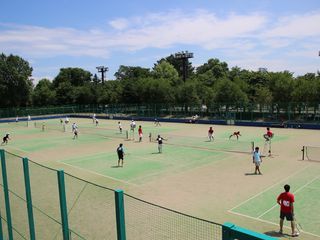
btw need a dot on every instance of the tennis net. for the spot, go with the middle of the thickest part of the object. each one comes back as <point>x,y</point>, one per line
<point>311,153</point>
<point>227,145</point>
<point>94,130</point>
<point>50,126</point>
<point>104,132</point>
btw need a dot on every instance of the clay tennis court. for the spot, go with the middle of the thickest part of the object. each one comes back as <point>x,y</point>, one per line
<point>210,180</point>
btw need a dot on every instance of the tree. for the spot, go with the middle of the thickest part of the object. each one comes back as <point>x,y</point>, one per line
<point>76,77</point>
<point>130,79</point>
<point>65,93</point>
<point>178,65</point>
<point>15,82</point>
<point>217,68</point>
<point>229,93</point>
<point>43,94</point>
<point>164,70</point>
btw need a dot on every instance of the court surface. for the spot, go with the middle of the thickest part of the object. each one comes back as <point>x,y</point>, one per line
<point>211,180</point>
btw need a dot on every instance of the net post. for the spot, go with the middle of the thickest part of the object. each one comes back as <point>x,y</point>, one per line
<point>252,146</point>
<point>303,150</point>
<point>127,135</point>
<point>150,137</point>
<point>120,217</point>
<point>6,193</point>
<point>25,162</point>
<point>63,205</point>
<point>35,124</point>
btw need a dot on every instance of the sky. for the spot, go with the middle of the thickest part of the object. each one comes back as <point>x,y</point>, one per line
<point>275,34</point>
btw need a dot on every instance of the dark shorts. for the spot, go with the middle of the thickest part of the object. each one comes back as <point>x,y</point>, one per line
<point>120,156</point>
<point>288,216</point>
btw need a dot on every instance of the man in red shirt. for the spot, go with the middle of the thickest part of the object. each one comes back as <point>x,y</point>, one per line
<point>140,133</point>
<point>286,200</point>
<point>268,135</point>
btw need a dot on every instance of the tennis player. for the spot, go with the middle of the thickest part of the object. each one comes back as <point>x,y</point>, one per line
<point>75,133</point>
<point>97,122</point>
<point>286,200</point>
<point>160,142</point>
<point>267,136</point>
<point>132,127</point>
<point>211,134</point>
<point>236,134</point>
<point>5,139</point>
<point>93,118</point>
<point>257,160</point>
<point>140,133</point>
<point>120,127</point>
<point>157,122</point>
<point>120,152</point>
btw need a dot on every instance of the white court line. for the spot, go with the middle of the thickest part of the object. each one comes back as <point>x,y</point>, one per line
<point>300,188</point>
<point>99,174</point>
<point>272,223</point>
<point>267,189</point>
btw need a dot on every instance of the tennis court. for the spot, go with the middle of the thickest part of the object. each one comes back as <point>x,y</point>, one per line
<point>211,180</point>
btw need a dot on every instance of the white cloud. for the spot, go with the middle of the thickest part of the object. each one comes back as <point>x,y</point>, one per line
<point>297,26</point>
<point>243,38</point>
<point>119,24</point>
<point>154,30</point>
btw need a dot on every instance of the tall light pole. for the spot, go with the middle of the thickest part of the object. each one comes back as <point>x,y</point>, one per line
<point>102,70</point>
<point>184,56</point>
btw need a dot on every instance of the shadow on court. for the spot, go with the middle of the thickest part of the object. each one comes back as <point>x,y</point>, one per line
<point>250,174</point>
<point>277,234</point>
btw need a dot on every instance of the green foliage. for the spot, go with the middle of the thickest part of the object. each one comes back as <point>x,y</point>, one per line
<point>15,83</point>
<point>228,92</point>
<point>43,93</point>
<point>211,84</point>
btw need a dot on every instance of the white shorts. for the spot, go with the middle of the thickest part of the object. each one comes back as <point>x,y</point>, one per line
<point>257,163</point>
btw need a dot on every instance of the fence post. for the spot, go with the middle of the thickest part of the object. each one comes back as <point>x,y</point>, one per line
<point>63,205</point>
<point>6,193</point>
<point>28,197</point>
<point>121,228</point>
<point>1,231</point>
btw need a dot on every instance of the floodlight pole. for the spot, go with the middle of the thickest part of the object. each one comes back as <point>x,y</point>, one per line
<point>102,70</point>
<point>184,56</point>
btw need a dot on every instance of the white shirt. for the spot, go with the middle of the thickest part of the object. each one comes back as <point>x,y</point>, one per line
<point>256,156</point>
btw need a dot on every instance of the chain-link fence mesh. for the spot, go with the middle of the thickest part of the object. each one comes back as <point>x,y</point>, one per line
<point>148,221</point>
<point>45,199</point>
<point>91,209</point>
<point>275,112</point>
<point>17,196</point>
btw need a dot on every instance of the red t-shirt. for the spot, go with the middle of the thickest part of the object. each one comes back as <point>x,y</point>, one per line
<point>286,199</point>
<point>210,130</point>
<point>140,130</point>
<point>269,133</point>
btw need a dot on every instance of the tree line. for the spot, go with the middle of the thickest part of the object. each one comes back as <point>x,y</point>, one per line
<point>210,83</point>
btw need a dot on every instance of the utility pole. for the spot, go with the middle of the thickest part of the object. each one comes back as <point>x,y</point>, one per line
<point>184,56</point>
<point>102,70</point>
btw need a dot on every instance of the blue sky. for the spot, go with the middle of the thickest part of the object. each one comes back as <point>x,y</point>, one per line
<point>276,34</point>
